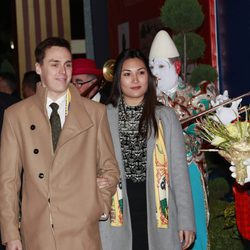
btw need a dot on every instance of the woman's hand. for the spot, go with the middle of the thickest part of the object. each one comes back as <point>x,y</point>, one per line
<point>186,238</point>
<point>14,245</point>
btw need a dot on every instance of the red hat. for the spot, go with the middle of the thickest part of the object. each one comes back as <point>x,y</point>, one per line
<point>85,66</point>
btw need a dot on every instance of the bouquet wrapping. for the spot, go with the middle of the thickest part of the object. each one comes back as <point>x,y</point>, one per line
<point>231,140</point>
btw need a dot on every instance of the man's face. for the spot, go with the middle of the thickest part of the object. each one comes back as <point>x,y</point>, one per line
<point>165,72</point>
<point>83,82</point>
<point>55,71</point>
<point>27,91</point>
<point>4,87</point>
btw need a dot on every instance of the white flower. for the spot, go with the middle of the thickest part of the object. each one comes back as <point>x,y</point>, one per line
<point>217,140</point>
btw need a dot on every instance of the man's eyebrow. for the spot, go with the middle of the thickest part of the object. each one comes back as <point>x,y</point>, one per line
<point>78,80</point>
<point>55,60</point>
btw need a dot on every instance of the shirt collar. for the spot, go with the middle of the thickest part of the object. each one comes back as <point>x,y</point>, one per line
<point>59,101</point>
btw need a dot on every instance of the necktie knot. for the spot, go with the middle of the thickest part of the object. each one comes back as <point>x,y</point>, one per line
<point>54,106</point>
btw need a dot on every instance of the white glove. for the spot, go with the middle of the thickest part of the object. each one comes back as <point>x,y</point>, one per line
<point>220,99</point>
<point>233,170</point>
<point>225,114</point>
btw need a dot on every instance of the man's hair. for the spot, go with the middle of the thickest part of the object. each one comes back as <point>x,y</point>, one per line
<point>48,43</point>
<point>10,80</point>
<point>30,79</point>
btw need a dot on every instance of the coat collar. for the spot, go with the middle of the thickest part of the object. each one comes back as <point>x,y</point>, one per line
<point>78,119</point>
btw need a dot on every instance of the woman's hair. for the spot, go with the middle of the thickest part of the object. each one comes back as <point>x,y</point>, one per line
<point>148,122</point>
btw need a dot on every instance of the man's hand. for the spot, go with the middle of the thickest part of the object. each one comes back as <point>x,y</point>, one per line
<point>102,182</point>
<point>14,245</point>
<point>225,114</point>
<point>220,99</point>
<point>186,238</point>
<point>233,170</point>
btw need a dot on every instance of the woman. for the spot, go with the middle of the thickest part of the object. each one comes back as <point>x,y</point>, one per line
<point>152,208</point>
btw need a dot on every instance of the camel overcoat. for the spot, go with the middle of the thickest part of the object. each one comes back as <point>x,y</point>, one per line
<point>61,202</point>
<point>181,214</point>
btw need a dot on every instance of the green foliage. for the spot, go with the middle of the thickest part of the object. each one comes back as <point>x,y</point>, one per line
<point>203,72</point>
<point>230,216</point>
<point>223,233</point>
<point>222,230</point>
<point>195,45</point>
<point>182,15</point>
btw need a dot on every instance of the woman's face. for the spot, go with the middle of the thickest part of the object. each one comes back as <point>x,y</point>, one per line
<point>134,81</point>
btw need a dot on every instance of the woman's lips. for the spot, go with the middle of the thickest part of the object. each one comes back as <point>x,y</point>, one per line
<point>136,87</point>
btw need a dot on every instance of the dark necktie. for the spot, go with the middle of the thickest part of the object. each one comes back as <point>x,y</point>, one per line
<point>55,124</point>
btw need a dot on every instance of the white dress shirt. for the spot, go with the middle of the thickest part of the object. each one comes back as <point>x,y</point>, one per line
<point>61,110</point>
<point>97,97</point>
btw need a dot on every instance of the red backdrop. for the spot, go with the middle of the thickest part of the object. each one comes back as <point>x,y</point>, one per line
<point>136,12</point>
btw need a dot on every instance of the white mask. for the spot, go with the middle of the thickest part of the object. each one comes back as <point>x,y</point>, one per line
<point>166,74</point>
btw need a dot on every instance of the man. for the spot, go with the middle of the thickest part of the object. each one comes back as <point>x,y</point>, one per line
<point>7,87</point>
<point>226,115</point>
<point>84,75</point>
<point>187,101</point>
<point>242,204</point>
<point>30,80</point>
<point>61,203</point>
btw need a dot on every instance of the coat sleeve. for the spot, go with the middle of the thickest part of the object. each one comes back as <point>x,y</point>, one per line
<point>10,182</point>
<point>180,177</point>
<point>108,166</point>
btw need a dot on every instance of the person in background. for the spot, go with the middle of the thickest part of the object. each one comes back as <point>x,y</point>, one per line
<point>226,115</point>
<point>164,61</point>
<point>8,85</point>
<point>152,208</point>
<point>30,80</point>
<point>62,143</point>
<point>84,75</point>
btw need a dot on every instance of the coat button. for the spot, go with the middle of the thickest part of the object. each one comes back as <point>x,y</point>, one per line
<point>41,175</point>
<point>32,127</point>
<point>35,151</point>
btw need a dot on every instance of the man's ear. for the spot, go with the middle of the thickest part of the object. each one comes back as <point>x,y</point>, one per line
<point>38,68</point>
<point>177,65</point>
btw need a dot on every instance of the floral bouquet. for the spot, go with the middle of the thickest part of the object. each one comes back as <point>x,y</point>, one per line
<point>231,140</point>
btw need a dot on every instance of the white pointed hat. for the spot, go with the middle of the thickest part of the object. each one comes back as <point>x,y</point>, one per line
<point>163,46</point>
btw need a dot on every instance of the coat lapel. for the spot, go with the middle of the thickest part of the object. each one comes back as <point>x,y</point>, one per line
<point>77,120</point>
<point>113,123</point>
<point>151,145</point>
<point>150,148</point>
<point>114,128</point>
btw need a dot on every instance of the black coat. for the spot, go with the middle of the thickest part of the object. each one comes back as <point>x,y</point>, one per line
<point>6,100</point>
